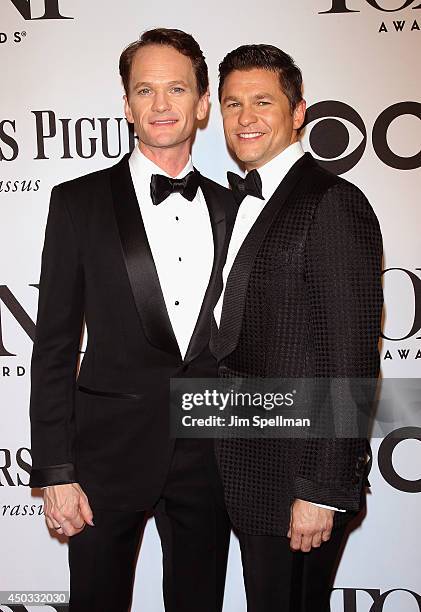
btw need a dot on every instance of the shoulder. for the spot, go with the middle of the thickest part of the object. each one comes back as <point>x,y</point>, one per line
<point>337,195</point>
<point>88,185</point>
<point>320,180</point>
<point>222,194</point>
<point>217,188</point>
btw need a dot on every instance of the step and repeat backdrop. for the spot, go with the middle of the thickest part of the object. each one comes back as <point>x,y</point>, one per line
<point>61,116</point>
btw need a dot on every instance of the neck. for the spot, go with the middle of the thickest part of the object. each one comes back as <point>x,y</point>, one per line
<point>172,159</point>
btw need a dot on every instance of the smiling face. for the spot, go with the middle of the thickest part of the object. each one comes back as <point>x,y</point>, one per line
<point>163,100</point>
<point>258,122</point>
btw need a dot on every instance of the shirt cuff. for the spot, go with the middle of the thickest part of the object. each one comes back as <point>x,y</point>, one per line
<point>327,507</point>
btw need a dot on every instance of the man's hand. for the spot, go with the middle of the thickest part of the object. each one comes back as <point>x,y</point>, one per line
<point>66,508</point>
<point>309,526</point>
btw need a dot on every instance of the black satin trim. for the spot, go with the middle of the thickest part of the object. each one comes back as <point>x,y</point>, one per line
<point>111,394</point>
<point>141,270</point>
<point>63,473</point>
<point>201,334</point>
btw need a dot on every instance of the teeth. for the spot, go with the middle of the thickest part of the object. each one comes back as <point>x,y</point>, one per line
<point>250,134</point>
<point>164,122</point>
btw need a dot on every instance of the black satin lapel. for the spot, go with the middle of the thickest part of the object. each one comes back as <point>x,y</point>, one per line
<point>238,278</point>
<point>201,333</point>
<point>213,343</point>
<point>139,262</point>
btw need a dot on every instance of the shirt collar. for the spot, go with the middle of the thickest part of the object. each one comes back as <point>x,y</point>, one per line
<point>277,168</point>
<point>142,166</point>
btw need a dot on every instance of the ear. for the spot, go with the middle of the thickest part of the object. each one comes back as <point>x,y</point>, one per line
<point>127,110</point>
<point>299,114</point>
<point>203,106</point>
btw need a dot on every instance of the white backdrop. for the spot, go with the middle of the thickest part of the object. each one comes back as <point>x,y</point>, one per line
<point>60,84</point>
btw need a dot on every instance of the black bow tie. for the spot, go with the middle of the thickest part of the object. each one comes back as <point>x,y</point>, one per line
<point>163,186</point>
<point>241,187</point>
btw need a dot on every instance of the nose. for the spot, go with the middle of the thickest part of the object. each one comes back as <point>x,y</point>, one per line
<point>247,116</point>
<point>161,102</point>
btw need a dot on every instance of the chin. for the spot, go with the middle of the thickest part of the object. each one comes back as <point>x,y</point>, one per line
<point>165,142</point>
<point>248,159</point>
<point>252,152</point>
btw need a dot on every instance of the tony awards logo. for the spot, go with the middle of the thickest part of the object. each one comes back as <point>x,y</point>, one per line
<point>51,10</point>
<point>28,10</point>
<point>344,6</point>
<point>408,24</point>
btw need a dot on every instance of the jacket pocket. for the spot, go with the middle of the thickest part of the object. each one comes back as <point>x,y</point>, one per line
<point>110,394</point>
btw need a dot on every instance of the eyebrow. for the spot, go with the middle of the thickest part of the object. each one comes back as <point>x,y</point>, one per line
<point>226,98</point>
<point>258,96</point>
<point>151,85</point>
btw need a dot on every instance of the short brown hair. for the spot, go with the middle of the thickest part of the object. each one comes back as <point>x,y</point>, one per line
<point>267,57</point>
<point>179,40</point>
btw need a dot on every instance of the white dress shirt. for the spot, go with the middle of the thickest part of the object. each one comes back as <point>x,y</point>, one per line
<point>250,208</point>
<point>180,237</point>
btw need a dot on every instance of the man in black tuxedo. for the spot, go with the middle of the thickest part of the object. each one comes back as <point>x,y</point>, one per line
<point>136,251</point>
<point>302,298</point>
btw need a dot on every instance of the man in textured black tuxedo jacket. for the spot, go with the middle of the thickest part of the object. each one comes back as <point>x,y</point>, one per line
<point>302,298</point>
<point>138,255</point>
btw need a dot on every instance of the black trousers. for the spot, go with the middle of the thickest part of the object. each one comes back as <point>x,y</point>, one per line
<point>280,580</point>
<point>194,530</point>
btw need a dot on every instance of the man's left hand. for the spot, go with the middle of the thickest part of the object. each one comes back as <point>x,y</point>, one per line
<point>309,526</point>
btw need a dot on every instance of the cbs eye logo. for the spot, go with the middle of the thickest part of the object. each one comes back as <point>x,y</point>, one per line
<point>329,138</point>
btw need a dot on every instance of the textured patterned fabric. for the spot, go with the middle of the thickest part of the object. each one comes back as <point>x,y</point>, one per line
<point>303,299</point>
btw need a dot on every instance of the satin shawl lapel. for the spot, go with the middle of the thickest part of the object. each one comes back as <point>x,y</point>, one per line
<point>238,279</point>
<point>201,333</point>
<point>139,262</point>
